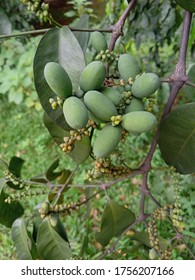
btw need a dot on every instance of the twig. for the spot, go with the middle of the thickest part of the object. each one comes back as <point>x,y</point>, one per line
<point>189,83</point>
<point>117,29</point>
<point>40,31</point>
<point>60,191</point>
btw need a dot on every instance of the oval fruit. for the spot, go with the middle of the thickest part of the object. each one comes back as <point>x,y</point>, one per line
<point>128,67</point>
<point>138,122</point>
<point>135,105</point>
<point>145,85</point>
<point>100,105</point>
<point>94,118</point>
<point>187,5</point>
<point>92,76</point>
<point>98,41</point>
<point>58,80</point>
<point>107,141</point>
<point>113,94</point>
<point>75,112</point>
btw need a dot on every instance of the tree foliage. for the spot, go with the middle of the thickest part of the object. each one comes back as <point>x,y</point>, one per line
<point>45,236</point>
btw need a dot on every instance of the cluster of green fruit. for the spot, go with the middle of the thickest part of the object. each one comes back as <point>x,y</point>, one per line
<point>115,108</point>
<point>39,7</point>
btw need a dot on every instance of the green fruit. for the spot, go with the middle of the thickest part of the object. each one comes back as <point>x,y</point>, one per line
<point>53,218</point>
<point>98,41</point>
<point>188,5</point>
<point>44,209</point>
<point>135,105</point>
<point>145,85</point>
<point>138,122</point>
<point>153,255</point>
<point>94,118</point>
<point>75,112</point>
<point>58,80</point>
<point>92,76</point>
<point>107,141</point>
<point>100,105</point>
<point>128,67</point>
<point>113,94</point>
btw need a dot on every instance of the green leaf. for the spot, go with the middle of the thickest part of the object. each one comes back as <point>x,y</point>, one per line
<point>61,46</point>
<point>82,37</point>
<point>189,90</point>
<point>9,212</point>
<point>15,96</point>
<point>50,174</point>
<point>4,165</point>
<point>5,23</point>
<point>50,244</point>
<point>143,238</point>
<point>187,5</point>
<point>177,138</point>
<point>15,167</point>
<point>2,183</point>
<point>115,220</point>
<point>21,239</point>
<point>82,149</point>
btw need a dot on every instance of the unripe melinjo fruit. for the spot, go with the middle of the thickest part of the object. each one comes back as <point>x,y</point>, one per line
<point>128,67</point>
<point>98,41</point>
<point>113,94</point>
<point>100,105</point>
<point>145,85</point>
<point>75,112</point>
<point>138,122</point>
<point>135,105</point>
<point>94,118</point>
<point>107,141</point>
<point>58,80</point>
<point>92,76</point>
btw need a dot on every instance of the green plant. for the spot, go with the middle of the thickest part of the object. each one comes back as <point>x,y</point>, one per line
<point>155,219</point>
<point>16,77</point>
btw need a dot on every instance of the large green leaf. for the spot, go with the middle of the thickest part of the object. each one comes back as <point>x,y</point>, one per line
<point>5,23</point>
<point>50,244</point>
<point>81,149</point>
<point>115,220</point>
<point>177,138</point>
<point>188,5</point>
<point>61,46</point>
<point>21,239</point>
<point>9,212</point>
<point>82,37</point>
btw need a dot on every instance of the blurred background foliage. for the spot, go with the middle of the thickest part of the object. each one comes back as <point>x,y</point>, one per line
<point>151,34</point>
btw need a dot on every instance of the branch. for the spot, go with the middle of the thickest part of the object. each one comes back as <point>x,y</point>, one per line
<point>178,79</point>
<point>117,29</point>
<point>40,31</point>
